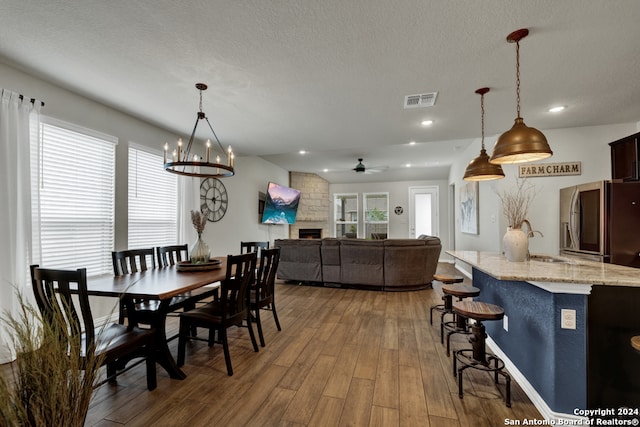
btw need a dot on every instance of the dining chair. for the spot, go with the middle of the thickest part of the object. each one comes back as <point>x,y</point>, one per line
<point>246,247</point>
<point>231,309</point>
<point>169,256</point>
<point>53,291</point>
<point>131,261</point>
<point>262,292</point>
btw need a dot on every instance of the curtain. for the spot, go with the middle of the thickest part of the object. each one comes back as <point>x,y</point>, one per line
<point>188,200</point>
<point>19,124</point>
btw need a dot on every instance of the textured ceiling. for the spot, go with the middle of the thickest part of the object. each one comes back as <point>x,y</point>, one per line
<point>330,76</point>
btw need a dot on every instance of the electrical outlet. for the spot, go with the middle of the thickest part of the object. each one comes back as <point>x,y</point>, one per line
<point>568,319</point>
<point>505,323</point>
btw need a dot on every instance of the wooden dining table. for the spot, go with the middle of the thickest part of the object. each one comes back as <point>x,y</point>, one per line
<point>161,284</point>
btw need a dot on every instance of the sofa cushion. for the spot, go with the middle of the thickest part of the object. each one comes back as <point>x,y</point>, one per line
<point>362,262</point>
<point>331,270</point>
<point>300,260</point>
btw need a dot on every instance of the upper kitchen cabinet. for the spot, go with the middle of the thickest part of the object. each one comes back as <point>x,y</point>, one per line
<point>625,158</point>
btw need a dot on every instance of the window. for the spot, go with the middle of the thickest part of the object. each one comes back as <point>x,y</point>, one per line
<point>346,215</point>
<point>153,195</point>
<point>77,190</point>
<point>376,215</point>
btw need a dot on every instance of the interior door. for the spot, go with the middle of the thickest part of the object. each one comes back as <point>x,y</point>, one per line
<point>423,211</point>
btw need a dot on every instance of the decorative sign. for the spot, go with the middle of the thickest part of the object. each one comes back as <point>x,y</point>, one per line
<point>550,169</point>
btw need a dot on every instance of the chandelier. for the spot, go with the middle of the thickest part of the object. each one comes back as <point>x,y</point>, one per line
<point>479,169</point>
<point>521,143</point>
<point>182,162</point>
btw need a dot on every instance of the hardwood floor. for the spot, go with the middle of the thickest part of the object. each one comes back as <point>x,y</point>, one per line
<point>343,357</point>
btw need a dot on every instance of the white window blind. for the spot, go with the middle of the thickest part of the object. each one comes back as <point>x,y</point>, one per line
<point>77,191</point>
<point>153,195</point>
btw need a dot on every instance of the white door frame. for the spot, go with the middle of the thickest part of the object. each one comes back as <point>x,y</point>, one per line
<point>435,210</point>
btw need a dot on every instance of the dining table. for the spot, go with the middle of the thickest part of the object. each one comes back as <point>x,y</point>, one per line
<point>160,284</point>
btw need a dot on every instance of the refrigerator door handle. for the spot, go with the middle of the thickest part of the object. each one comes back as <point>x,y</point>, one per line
<point>574,213</point>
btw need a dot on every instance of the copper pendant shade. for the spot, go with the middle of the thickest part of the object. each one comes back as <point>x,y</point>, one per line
<point>479,169</point>
<point>521,143</point>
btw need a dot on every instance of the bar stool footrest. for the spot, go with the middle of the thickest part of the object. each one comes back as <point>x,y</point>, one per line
<point>465,358</point>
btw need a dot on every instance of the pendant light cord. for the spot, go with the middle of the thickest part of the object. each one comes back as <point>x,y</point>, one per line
<point>518,77</point>
<point>482,117</point>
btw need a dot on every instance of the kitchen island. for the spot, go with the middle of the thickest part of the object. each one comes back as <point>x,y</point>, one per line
<point>567,330</point>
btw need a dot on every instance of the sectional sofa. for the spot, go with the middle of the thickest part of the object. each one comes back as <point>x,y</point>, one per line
<point>389,264</point>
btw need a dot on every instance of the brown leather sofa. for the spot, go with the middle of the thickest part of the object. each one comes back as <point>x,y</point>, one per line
<point>389,264</point>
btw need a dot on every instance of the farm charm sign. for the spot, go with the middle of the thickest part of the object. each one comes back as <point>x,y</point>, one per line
<point>550,169</point>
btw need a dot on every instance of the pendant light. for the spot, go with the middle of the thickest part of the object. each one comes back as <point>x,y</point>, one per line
<point>521,143</point>
<point>479,169</point>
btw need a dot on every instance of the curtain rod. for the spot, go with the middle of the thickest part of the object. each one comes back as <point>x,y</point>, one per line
<point>33,100</point>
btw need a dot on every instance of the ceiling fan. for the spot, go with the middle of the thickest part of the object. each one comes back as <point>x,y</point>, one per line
<point>361,168</point>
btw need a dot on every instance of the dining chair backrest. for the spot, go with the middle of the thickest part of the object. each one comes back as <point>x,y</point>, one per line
<point>52,290</point>
<point>266,278</point>
<point>171,255</point>
<point>246,247</point>
<point>133,261</point>
<point>234,290</point>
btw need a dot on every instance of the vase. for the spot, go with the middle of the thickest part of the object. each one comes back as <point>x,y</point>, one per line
<point>516,245</point>
<point>199,251</point>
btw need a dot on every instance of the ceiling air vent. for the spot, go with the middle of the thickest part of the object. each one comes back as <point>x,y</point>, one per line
<point>421,100</point>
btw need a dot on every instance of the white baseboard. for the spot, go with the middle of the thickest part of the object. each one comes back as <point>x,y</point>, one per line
<point>531,392</point>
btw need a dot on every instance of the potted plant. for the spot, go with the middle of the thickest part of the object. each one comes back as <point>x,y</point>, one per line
<point>48,384</point>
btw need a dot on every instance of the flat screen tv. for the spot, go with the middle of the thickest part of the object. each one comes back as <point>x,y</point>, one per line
<point>281,204</point>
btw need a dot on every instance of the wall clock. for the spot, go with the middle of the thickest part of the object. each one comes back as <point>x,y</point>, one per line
<point>213,199</point>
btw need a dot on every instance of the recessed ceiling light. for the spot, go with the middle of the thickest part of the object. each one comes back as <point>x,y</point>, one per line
<point>557,109</point>
<point>412,143</point>
<point>408,165</point>
<point>302,152</point>
<point>325,170</point>
<point>426,122</point>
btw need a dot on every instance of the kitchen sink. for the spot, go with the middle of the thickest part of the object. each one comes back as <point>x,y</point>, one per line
<point>548,258</point>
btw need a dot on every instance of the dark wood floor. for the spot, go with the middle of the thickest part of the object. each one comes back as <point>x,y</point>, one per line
<point>343,357</point>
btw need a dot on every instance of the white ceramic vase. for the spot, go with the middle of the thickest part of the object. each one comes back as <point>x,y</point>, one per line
<point>516,245</point>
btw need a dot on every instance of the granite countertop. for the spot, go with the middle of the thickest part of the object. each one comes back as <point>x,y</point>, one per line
<point>537,270</point>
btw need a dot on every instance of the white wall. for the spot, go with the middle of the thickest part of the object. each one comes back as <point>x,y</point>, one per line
<point>399,196</point>
<point>241,222</point>
<point>252,174</point>
<point>588,145</point>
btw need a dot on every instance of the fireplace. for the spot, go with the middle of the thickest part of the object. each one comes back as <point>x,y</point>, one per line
<point>310,233</point>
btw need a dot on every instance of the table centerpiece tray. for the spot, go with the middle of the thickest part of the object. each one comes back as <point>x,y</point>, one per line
<point>187,266</point>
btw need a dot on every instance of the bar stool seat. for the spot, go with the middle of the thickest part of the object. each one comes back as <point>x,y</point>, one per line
<point>445,279</point>
<point>477,357</point>
<point>635,342</point>
<point>459,325</point>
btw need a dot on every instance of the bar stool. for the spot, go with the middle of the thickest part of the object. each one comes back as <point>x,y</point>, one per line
<point>460,323</point>
<point>477,357</point>
<point>447,307</point>
<point>635,342</point>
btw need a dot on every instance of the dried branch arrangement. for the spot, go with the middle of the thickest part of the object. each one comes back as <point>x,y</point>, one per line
<point>198,220</point>
<point>516,202</point>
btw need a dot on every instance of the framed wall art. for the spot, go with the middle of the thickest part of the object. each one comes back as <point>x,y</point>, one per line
<point>469,208</point>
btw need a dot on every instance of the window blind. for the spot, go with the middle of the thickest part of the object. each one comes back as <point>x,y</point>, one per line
<point>77,190</point>
<point>153,195</point>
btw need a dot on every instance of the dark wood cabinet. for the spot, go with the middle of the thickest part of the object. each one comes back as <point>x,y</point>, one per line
<point>625,157</point>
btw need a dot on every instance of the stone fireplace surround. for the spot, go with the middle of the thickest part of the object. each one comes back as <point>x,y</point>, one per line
<point>315,204</point>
